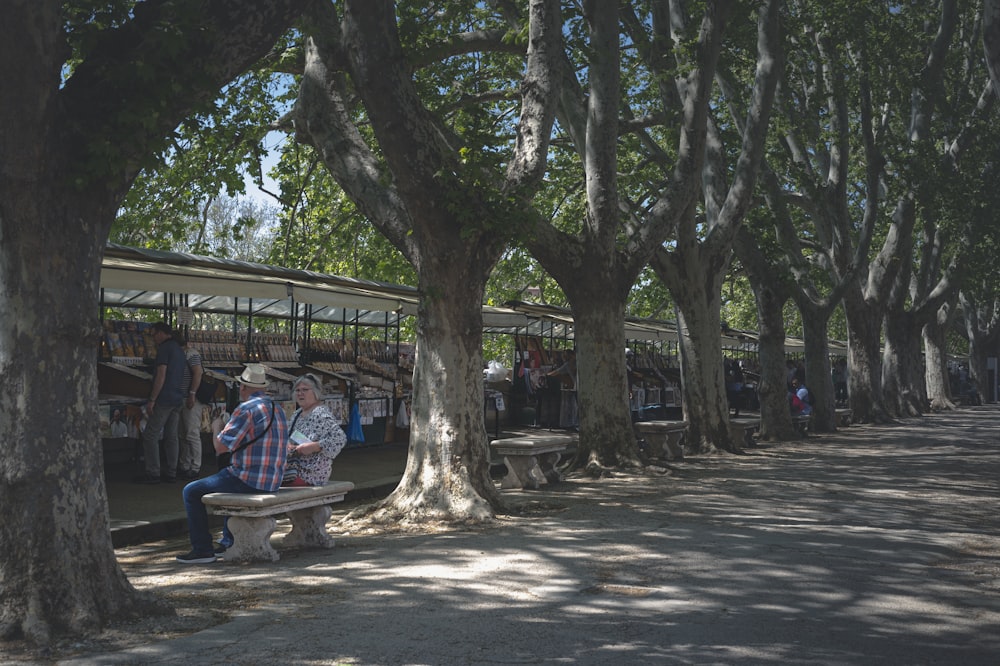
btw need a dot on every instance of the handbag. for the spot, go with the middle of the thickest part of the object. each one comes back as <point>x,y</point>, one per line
<point>223,460</point>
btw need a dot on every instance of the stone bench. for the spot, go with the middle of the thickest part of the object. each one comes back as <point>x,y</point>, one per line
<point>844,416</point>
<point>801,423</point>
<point>531,459</point>
<point>662,437</point>
<point>741,431</point>
<point>251,518</point>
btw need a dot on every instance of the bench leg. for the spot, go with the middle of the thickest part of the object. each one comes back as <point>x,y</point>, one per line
<point>522,472</point>
<point>674,449</point>
<point>251,539</point>
<point>654,446</point>
<point>309,528</point>
<point>547,466</point>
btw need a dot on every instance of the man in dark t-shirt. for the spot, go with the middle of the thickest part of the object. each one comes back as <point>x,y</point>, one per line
<point>164,407</point>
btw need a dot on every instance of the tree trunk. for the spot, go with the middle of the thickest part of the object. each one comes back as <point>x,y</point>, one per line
<point>770,295</point>
<point>864,384</point>
<point>982,325</point>
<point>443,211</point>
<point>935,335</point>
<point>71,142</point>
<point>606,436</point>
<point>819,380</point>
<point>705,405</point>
<point>58,572</point>
<point>903,376</point>
<point>775,415</point>
<point>693,275</point>
<point>447,469</point>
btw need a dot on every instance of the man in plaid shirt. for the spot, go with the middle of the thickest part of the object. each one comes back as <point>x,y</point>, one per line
<point>257,437</point>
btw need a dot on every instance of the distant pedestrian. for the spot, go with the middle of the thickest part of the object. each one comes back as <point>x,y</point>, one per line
<point>190,433</point>
<point>734,384</point>
<point>164,406</point>
<point>118,427</point>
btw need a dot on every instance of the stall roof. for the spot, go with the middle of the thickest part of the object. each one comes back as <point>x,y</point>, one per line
<point>132,277</point>
<point>139,278</point>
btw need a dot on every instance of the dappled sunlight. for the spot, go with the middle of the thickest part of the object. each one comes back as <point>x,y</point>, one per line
<point>874,543</point>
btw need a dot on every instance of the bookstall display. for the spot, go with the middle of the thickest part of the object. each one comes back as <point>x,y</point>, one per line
<point>375,377</point>
<point>654,385</point>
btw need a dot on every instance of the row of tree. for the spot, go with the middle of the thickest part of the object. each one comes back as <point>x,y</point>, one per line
<point>839,150</point>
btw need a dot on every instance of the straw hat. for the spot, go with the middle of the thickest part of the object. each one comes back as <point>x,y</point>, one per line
<point>254,375</point>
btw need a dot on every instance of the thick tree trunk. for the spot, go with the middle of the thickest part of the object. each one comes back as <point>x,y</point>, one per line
<point>819,380</point>
<point>903,383</point>
<point>775,415</point>
<point>699,327</point>
<point>437,208</point>
<point>58,572</point>
<point>447,470</point>
<point>982,325</point>
<point>935,336</point>
<point>864,365</point>
<point>979,349</point>
<point>770,296</point>
<point>606,436</point>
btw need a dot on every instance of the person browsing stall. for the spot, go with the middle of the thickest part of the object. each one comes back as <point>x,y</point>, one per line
<point>189,461</point>
<point>164,407</point>
<point>316,436</point>
<point>256,435</point>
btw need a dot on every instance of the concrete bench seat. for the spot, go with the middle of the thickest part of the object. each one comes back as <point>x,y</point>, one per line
<point>251,518</point>
<point>531,459</point>
<point>801,423</point>
<point>844,416</point>
<point>741,431</point>
<point>663,438</point>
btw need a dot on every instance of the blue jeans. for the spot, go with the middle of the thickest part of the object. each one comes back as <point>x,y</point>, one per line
<point>223,481</point>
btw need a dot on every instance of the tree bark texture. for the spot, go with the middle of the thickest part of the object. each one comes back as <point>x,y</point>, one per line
<point>606,436</point>
<point>68,153</point>
<point>935,336</point>
<point>447,468</point>
<point>903,377</point>
<point>705,405</point>
<point>819,380</point>
<point>770,295</point>
<point>449,219</point>
<point>694,277</point>
<point>58,573</point>
<point>864,381</point>
<point>991,39</point>
<point>982,326</point>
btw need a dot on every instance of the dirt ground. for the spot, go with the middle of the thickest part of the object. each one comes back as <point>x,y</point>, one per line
<point>874,544</point>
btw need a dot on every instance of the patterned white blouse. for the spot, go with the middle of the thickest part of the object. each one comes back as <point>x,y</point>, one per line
<point>321,426</point>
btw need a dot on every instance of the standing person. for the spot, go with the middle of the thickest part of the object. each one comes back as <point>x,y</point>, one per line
<point>734,386</point>
<point>316,437</point>
<point>256,435</point>
<point>118,427</point>
<point>164,406</point>
<point>190,437</point>
<point>840,381</point>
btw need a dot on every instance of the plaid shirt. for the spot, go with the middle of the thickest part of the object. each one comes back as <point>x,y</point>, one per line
<point>262,464</point>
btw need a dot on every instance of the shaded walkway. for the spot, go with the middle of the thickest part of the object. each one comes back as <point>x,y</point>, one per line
<point>873,545</point>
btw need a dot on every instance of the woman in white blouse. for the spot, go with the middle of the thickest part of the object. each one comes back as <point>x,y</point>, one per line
<point>315,436</point>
